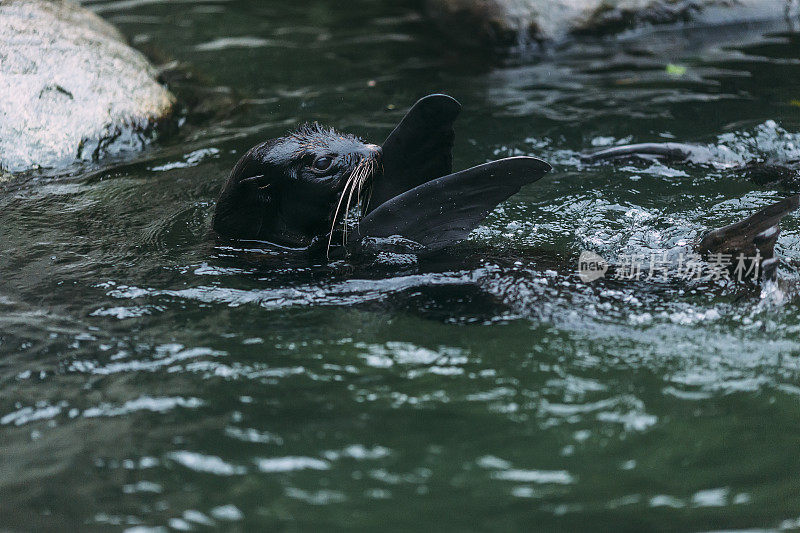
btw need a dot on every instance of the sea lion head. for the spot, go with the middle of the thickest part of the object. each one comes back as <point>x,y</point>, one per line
<point>291,189</point>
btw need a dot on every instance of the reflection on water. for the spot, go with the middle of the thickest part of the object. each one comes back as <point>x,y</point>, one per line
<point>151,378</point>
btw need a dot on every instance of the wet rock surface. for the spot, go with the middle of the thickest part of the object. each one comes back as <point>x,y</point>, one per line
<point>71,88</point>
<point>516,21</point>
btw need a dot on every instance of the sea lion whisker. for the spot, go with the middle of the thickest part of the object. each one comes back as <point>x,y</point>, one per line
<point>376,167</point>
<point>333,219</point>
<point>368,172</point>
<point>336,215</point>
<point>348,184</point>
<point>355,178</point>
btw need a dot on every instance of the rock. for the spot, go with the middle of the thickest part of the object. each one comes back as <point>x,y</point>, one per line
<point>515,21</point>
<point>70,87</point>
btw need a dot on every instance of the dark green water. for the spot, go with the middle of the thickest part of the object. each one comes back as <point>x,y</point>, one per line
<point>149,378</point>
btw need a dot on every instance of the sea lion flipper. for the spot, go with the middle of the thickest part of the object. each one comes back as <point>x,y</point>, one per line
<point>445,210</point>
<point>418,150</point>
<point>668,151</point>
<point>754,236</point>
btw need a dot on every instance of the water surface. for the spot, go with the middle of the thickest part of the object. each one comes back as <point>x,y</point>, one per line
<point>151,378</point>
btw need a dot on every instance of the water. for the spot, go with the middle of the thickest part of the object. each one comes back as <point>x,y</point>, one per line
<point>152,379</point>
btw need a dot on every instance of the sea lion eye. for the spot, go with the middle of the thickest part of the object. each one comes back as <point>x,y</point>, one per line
<point>322,163</point>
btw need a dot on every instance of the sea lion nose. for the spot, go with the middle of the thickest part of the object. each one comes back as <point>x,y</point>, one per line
<point>371,151</point>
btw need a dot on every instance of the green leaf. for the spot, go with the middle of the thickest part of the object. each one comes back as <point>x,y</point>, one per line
<point>675,70</point>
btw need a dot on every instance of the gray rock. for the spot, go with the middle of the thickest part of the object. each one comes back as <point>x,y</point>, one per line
<point>70,87</point>
<point>515,21</point>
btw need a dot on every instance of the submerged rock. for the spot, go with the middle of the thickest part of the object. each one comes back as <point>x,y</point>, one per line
<point>514,21</point>
<point>70,87</point>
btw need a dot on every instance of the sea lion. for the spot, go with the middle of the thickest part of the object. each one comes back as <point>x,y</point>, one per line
<point>667,151</point>
<point>754,236</point>
<point>761,171</point>
<point>296,191</point>
<point>759,232</point>
<point>285,190</point>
